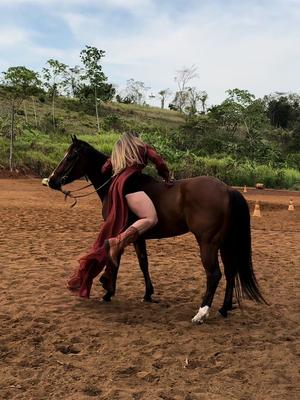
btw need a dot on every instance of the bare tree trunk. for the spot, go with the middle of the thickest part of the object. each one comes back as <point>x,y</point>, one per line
<point>25,112</point>
<point>53,111</point>
<point>247,128</point>
<point>12,134</point>
<point>162,102</point>
<point>96,107</point>
<point>34,110</point>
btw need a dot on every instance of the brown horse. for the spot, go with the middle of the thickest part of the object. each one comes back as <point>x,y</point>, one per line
<point>215,213</point>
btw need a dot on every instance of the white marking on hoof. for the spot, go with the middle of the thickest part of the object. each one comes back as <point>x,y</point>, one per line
<point>201,315</point>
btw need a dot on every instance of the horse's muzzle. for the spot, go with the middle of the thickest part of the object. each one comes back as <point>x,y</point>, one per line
<point>54,183</point>
<point>45,181</point>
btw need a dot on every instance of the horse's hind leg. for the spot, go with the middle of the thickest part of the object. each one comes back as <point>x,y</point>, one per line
<point>141,252</point>
<point>230,273</point>
<point>209,257</point>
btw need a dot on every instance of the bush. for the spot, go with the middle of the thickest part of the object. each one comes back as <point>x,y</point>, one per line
<point>114,122</point>
<point>47,124</point>
<point>293,160</point>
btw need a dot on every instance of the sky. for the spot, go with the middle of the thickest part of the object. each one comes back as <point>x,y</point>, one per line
<point>248,44</point>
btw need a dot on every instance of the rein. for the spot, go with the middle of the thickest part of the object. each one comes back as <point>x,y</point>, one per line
<point>68,193</point>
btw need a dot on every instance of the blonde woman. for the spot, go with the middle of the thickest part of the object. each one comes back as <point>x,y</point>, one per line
<point>129,156</point>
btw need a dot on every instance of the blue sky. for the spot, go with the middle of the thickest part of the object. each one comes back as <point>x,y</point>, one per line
<point>252,45</point>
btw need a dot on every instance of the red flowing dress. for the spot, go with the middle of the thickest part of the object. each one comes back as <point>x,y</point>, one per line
<point>93,263</point>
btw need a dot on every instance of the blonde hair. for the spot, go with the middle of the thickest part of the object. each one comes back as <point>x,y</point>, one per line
<point>126,152</point>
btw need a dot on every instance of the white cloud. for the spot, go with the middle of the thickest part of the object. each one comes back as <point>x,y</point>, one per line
<point>243,47</point>
<point>250,44</point>
<point>13,36</point>
<point>130,5</point>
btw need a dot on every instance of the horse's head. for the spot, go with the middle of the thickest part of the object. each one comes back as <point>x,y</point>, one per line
<point>73,166</point>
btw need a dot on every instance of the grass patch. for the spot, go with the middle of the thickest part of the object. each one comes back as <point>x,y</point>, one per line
<point>38,150</point>
<point>40,153</point>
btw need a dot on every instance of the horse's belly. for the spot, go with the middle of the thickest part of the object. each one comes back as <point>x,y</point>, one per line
<point>165,229</point>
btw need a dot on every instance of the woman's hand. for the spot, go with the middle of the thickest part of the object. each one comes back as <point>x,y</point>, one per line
<point>169,183</point>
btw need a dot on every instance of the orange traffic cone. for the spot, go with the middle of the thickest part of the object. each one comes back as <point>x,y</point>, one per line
<point>291,205</point>
<point>256,212</point>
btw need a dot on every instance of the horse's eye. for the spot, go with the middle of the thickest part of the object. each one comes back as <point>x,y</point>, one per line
<point>73,154</point>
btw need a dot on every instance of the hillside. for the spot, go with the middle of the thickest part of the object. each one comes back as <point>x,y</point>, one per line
<point>38,147</point>
<point>192,147</point>
<point>75,118</point>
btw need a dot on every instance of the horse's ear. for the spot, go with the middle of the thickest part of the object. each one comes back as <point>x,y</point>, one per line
<point>74,138</point>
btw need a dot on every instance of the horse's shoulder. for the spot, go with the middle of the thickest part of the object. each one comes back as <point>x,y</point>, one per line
<point>148,179</point>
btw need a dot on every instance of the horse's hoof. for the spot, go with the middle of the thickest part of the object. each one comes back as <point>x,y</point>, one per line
<point>147,299</point>
<point>107,298</point>
<point>106,284</point>
<point>202,315</point>
<point>223,312</point>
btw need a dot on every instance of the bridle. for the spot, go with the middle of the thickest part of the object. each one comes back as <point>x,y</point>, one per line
<point>69,193</point>
<point>70,168</point>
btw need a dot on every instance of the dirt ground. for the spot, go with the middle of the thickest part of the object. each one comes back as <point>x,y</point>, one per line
<point>56,346</point>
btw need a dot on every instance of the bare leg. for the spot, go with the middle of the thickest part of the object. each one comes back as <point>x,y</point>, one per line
<point>141,205</point>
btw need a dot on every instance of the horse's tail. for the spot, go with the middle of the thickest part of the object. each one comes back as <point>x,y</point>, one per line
<point>238,245</point>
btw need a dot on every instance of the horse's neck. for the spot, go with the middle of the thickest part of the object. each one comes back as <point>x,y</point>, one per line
<point>97,178</point>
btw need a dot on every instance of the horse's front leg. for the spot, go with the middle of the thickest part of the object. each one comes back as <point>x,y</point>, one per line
<point>141,252</point>
<point>109,280</point>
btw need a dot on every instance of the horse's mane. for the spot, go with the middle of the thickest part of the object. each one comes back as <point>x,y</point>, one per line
<point>92,151</point>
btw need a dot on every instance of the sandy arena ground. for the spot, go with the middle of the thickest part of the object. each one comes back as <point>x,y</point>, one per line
<point>56,346</point>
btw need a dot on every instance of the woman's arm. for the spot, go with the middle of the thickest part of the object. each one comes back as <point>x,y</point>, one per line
<point>159,163</point>
<point>106,167</point>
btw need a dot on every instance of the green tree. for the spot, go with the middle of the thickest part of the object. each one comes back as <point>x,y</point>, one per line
<point>19,83</point>
<point>294,144</point>
<point>86,94</point>
<point>180,101</point>
<point>240,108</point>
<point>193,98</point>
<point>188,100</point>
<point>164,94</point>
<point>245,122</point>
<point>73,77</point>
<point>91,57</point>
<point>203,96</point>
<point>283,110</point>
<point>182,78</point>
<point>136,91</point>
<point>54,76</point>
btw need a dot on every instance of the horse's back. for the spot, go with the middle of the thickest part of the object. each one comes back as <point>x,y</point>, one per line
<point>193,204</point>
<point>207,190</point>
